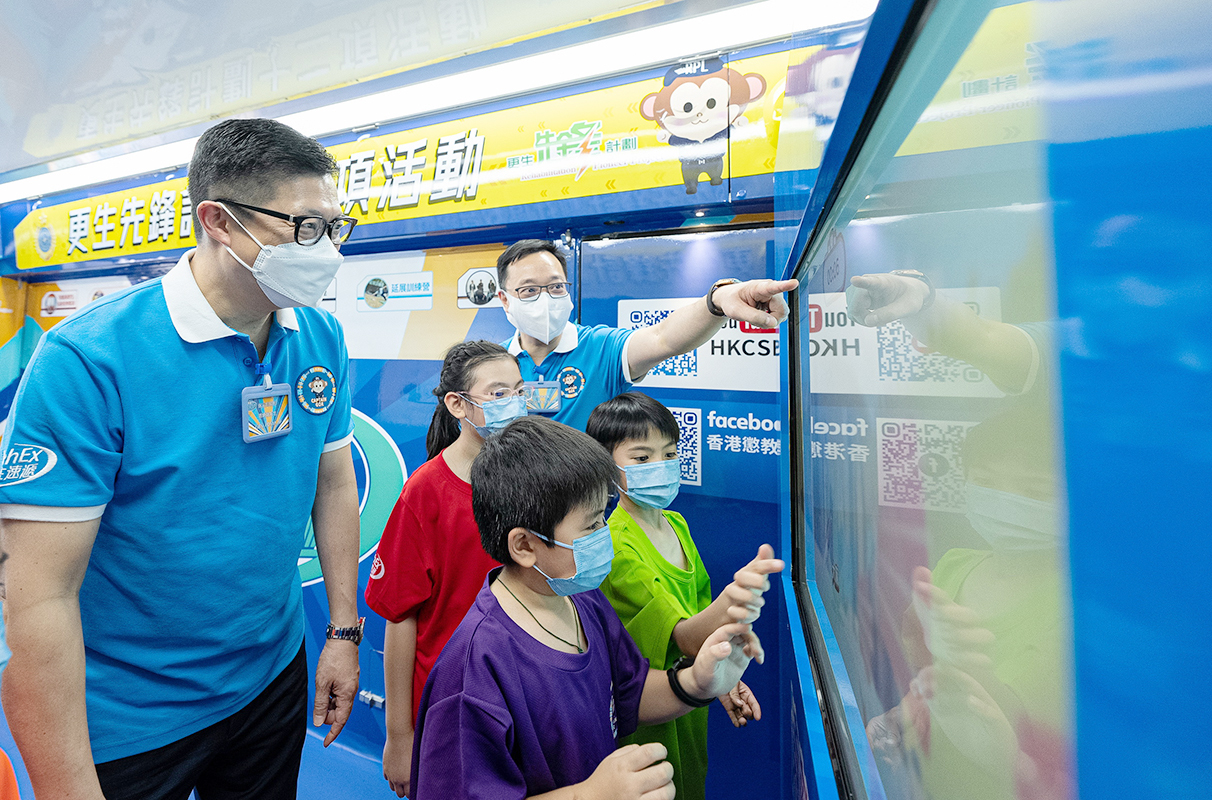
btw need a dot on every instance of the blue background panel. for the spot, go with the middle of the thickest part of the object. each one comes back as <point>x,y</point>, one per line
<point>736,508</point>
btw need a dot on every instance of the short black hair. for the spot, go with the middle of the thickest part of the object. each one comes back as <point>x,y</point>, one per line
<point>532,475</point>
<point>630,416</point>
<point>245,159</point>
<point>525,248</point>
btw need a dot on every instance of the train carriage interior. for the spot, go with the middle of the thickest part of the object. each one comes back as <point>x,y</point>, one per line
<point>977,440</point>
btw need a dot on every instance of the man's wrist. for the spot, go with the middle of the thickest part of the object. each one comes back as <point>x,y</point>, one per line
<point>349,633</point>
<point>712,307</point>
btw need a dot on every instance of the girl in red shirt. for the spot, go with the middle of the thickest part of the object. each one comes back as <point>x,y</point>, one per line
<point>430,564</point>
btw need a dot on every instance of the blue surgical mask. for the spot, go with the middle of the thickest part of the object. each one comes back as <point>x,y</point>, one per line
<point>592,553</point>
<point>498,414</point>
<point>655,483</point>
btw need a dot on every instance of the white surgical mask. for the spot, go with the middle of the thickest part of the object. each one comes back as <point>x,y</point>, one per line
<point>1009,521</point>
<point>291,274</point>
<point>543,318</point>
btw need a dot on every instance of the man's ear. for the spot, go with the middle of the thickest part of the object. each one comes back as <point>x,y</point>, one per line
<point>215,223</point>
<point>522,547</point>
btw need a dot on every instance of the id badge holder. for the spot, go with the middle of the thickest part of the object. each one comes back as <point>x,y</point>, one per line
<point>542,397</point>
<point>265,411</point>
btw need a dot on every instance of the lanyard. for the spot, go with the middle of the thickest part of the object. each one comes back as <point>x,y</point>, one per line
<point>265,409</point>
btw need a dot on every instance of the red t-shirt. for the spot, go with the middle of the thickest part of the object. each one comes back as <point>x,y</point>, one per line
<point>430,562</point>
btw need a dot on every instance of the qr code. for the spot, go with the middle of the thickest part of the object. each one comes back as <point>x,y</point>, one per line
<point>919,463</point>
<point>690,423</point>
<point>901,360</point>
<point>646,319</point>
<point>681,366</point>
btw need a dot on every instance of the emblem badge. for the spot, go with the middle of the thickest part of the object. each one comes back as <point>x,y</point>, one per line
<point>316,390</point>
<point>571,381</point>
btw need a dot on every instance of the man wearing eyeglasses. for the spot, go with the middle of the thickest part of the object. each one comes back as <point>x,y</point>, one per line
<point>177,438</point>
<point>569,369</point>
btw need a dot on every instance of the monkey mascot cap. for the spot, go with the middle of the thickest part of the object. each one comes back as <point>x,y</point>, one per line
<point>693,69</point>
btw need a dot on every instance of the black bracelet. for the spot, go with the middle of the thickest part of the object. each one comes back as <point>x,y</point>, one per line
<point>679,692</point>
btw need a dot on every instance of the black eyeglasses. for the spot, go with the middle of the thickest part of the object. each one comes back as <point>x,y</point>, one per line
<point>308,229</point>
<point>528,294</point>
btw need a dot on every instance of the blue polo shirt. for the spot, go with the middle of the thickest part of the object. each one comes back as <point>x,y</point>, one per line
<point>590,364</point>
<point>130,411</point>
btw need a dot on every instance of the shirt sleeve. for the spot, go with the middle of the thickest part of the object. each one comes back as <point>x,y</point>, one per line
<point>63,443</point>
<point>463,750</point>
<point>340,422</point>
<point>613,342</point>
<point>403,578</point>
<point>645,605</point>
<point>628,668</point>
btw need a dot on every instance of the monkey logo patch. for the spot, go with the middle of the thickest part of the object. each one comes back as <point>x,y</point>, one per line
<point>316,390</point>
<point>700,102</point>
<point>571,381</point>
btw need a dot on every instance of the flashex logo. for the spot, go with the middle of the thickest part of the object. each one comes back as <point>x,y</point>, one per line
<point>24,462</point>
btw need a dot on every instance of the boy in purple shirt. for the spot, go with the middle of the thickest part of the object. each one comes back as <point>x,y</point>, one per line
<point>533,690</point>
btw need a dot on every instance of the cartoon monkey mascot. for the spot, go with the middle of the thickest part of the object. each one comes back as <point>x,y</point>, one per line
<point>819,85</point>
<point>700,101</point>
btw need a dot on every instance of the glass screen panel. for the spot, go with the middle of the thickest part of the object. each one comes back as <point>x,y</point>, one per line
<point>932,475</point>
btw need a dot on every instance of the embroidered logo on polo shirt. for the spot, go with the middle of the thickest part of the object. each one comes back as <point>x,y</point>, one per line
<point>25,462</point>
<point>316,390</point>
<point>571,381</point>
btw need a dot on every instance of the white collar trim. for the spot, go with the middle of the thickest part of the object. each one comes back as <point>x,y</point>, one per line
<point>193,316</point>
<point>568,340</point>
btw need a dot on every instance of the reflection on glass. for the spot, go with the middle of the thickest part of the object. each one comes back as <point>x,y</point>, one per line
<point>808,101</point>
<point>934,445</point>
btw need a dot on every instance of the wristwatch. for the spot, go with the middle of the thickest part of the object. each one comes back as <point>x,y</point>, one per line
<point>676,685</point>
<point>711,306</point>
<point>352,634</point>
<point>921,276</point>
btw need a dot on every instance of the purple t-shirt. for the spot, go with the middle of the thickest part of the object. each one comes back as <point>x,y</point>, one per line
<point>504,716</point>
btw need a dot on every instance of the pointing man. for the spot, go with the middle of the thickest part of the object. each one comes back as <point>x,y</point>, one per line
<point>570,368</point>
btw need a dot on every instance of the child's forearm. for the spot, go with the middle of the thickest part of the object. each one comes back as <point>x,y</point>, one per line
<point>399,658</point>
<point>689,634</point>
<point>658,703</point>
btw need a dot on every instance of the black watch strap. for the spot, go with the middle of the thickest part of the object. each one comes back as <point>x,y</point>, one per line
<point>711,306</point>
<point>676,685</point>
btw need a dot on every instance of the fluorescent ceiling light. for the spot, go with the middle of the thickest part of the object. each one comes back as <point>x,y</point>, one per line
<point>625,52</point>
<point>140,162</point>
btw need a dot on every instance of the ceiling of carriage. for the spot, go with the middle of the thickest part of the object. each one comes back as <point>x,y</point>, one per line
<point>82,75</point>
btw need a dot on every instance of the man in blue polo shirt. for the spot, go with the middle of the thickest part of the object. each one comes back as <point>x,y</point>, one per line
<point>569,369</point>
<point>165,451</point>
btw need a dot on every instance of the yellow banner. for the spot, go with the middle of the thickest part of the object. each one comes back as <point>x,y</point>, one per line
<point>992,95</point>
<point>617,139</point>
<point>145,219</point>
